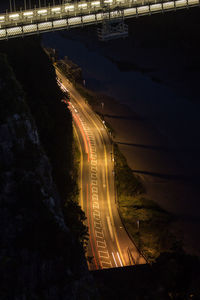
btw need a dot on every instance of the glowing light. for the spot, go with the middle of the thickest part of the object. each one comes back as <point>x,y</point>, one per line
<point>70,8</point>
<point>28,13</point>
<point>114,259</point>
<point>14,16</point>
<point>56,9</point>
<point>108,1</point>
<point>96,3</point>
<point>84,5</point>
<point>119,259</point>
<point>41,12</point>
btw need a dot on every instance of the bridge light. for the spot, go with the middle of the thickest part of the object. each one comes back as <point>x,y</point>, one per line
<point>84,5</point>
<point>14,16</point>
<point>69,8</point>
<point>95,3</point>
<point>42,12</point>
<point>108,1</point>
<point>56,9</point>
<point>28,13</point>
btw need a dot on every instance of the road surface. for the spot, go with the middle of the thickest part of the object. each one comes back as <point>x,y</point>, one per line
<point>109,243</point>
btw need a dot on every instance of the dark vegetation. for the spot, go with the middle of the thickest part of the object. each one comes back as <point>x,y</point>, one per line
<point>145,220</point>
<point>174,276</point>
<point>54,122</point>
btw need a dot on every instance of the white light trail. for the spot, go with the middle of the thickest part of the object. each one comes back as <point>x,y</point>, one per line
<point>114,259</point>
<point>119,259</point>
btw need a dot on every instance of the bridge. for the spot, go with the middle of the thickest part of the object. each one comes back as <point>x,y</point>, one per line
<point>78,14</point>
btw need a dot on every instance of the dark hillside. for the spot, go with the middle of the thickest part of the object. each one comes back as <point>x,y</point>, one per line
<point>41,259</point>
<point>37,76</point>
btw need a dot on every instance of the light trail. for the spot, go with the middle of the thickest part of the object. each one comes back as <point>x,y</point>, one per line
<point>114,259</point>
<point>108,240</point>
<point>107,185</point>
<point>83,134</point>
<point>119,259</point>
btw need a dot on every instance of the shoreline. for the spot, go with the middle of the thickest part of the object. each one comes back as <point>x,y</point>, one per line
<point>150,156</point>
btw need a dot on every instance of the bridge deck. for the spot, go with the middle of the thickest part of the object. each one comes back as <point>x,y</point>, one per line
<point>76,14</point>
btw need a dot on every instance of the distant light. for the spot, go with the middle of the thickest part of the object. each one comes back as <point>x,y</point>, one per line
<point>96,3</point>
<point>83,5</point>
<point>14,16</point>
<point>108,1</point>
<point>70,7</point>
<point>56,9</point>
<point>43,11</point>
<point>2,18</point>
<point>28,13</point>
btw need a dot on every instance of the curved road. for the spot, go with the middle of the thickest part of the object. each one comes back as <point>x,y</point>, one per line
<point>109,244</point>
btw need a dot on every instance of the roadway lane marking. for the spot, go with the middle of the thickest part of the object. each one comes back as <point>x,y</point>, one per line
<point>94,182</point>
<point>96,205</point>
<point>97,225</point>
<point>94,189</point>
<point>110,227</point>
<point>98,229</point>
<point>92,222</point>
<point>101,244</point>
<point>93,175</point>
<point>83,133</point>
<point>90,231</point>
<point>109,203</point>
<point>96,213</point>
<point>99,234</point>
<point>97,218</point>
<point>104,254</point>
<point>95,197</point>
<point>108,194</point>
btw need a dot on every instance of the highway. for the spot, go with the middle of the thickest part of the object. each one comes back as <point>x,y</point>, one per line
<point>109,243</point>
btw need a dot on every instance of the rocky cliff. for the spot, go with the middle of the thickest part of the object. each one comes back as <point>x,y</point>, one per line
<point>39,257</point>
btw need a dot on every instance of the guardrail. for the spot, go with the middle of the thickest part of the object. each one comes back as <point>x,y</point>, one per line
<point>78,14</point>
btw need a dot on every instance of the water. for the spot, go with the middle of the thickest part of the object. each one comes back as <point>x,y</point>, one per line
<point>174,116</point>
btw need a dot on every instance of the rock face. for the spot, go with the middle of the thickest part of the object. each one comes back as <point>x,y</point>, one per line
<point>39,257</point>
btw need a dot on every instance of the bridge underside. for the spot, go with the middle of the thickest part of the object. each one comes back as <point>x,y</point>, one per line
<point>79,14</point>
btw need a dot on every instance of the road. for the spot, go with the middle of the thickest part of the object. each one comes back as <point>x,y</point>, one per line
<point>109,243</point>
